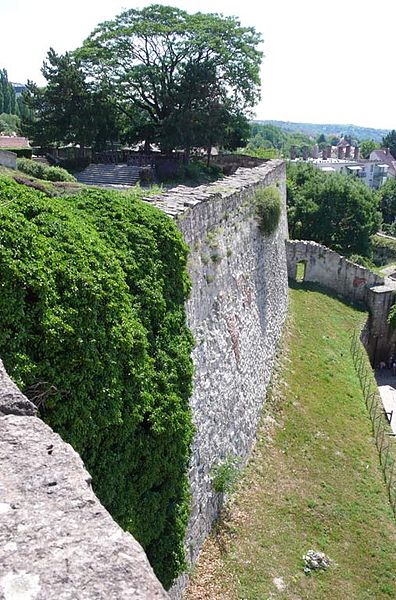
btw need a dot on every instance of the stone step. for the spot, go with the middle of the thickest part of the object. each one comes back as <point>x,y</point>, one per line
<point>99,174</point>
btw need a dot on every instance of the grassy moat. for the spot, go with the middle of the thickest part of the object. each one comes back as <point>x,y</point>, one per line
<point>314,480</point>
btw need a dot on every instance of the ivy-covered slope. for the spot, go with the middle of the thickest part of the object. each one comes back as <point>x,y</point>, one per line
<point>93,329</point>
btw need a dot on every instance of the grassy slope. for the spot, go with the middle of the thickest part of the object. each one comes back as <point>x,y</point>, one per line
<point>313,482</point>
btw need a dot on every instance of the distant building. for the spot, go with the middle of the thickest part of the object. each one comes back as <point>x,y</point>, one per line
<point>373,172</point>
<point>385,157</point>
<point>19,88</point>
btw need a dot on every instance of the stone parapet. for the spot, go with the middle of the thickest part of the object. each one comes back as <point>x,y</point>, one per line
<point>56,539</point>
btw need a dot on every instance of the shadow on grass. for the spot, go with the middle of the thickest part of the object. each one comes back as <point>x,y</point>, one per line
<point>308,286</point>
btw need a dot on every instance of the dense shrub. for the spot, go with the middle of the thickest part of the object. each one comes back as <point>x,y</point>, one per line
<point>268,208</point>
<point>94,331</point>
<point>333,209</point>
<point>42,171</point>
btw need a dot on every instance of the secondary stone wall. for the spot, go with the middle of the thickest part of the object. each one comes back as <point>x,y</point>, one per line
<point>56,539</point>
<point>8,159</point>
<point>236,313</point>
<point>331,270</point>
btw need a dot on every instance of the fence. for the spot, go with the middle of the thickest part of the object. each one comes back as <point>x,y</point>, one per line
<point>385,439</point>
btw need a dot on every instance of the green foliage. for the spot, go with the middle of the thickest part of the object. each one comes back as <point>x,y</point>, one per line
<point>42,171</point>
<point>226,475</point>
<point>389,141</point>
<point>193,85</point>
<point>367,147</point>
<point>362,260</point>
<point>68,110</point>
<point>94,330</point>
<point>268,209</point>
<point>336,210</point>
<point>271,139</point>
<point>9,124</point>
<point>387,195</point>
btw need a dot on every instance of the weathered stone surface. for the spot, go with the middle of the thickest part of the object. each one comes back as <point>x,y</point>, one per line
<point>330,269</point>
<point>12,401</point>
<point>56,539</point>
<point>236,312</point>
<point>356,284</point>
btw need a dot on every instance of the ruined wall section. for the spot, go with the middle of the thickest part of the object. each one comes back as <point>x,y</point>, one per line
<point>331,270</point>
<point>236,312</point>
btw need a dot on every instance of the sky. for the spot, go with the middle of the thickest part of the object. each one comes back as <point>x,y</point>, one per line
<point>325,62</point>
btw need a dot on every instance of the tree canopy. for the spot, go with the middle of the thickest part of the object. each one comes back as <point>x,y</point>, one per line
<point>389,141</point>
<point>67,109</point>
<point>172,66</point>
<point>336,210</point>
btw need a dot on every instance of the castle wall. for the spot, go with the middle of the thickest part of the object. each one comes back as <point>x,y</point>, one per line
<point>236,313</point>
<point>331,270</point>
<point>58,536</point>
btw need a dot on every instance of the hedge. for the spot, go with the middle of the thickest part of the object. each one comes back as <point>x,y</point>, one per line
<point>42,171</point>
<point>94,331</point>
<point>20,152</point>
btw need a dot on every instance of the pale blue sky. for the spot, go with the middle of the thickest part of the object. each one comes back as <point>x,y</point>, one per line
<point>324,61</point>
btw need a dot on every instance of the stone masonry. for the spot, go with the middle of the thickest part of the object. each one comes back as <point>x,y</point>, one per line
<point>236,313</point>
<point>8,159</point>
<point>354,283</point>
<point>56,540</point>
<point>330,269</point>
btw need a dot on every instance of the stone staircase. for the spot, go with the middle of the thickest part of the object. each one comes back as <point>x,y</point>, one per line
<point>109,175</point>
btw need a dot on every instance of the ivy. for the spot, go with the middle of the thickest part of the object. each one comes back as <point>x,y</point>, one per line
<point>92,295</point>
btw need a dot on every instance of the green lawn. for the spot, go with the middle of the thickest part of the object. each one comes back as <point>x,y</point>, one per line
<point>314,480</point>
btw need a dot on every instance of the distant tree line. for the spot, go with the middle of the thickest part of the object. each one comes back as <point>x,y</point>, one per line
<point>12,108</point>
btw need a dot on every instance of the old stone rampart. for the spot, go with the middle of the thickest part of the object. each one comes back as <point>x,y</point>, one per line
<point>57,540</point>
<point>331,270</point>
<point>354,283</point>
<point>236,313</point>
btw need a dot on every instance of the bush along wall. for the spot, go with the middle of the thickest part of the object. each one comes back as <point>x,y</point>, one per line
<point>92,297</point>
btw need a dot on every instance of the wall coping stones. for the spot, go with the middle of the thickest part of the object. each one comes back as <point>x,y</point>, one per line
<point>176,201</point>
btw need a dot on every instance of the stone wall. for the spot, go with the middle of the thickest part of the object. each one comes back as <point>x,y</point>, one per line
<point>8,159</point>
<point>356,284</point>
<point>56,539</point>
<point>331,270</point>
<point>236,313</point>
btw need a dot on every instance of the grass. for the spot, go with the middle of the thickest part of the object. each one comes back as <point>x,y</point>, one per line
<point>313,482</point>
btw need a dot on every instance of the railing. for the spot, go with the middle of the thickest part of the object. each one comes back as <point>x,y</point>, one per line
<point>385,439</point>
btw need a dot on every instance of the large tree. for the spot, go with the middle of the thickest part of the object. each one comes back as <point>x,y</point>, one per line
<point>147,57</point>
<point>336,210</point>
<point>67,109</point>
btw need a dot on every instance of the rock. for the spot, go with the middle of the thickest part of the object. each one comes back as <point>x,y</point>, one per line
<point>316,560</point>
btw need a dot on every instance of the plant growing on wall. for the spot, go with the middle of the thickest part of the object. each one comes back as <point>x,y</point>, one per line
<point>225,475</point>
<point>268,209</point>
<point>94,330</point>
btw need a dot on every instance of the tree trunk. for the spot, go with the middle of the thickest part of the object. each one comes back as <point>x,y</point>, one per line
<point>209,155</point>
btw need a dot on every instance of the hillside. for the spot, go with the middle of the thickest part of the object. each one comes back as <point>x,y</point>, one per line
<point>314,481</point>
<point>315,129</point>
